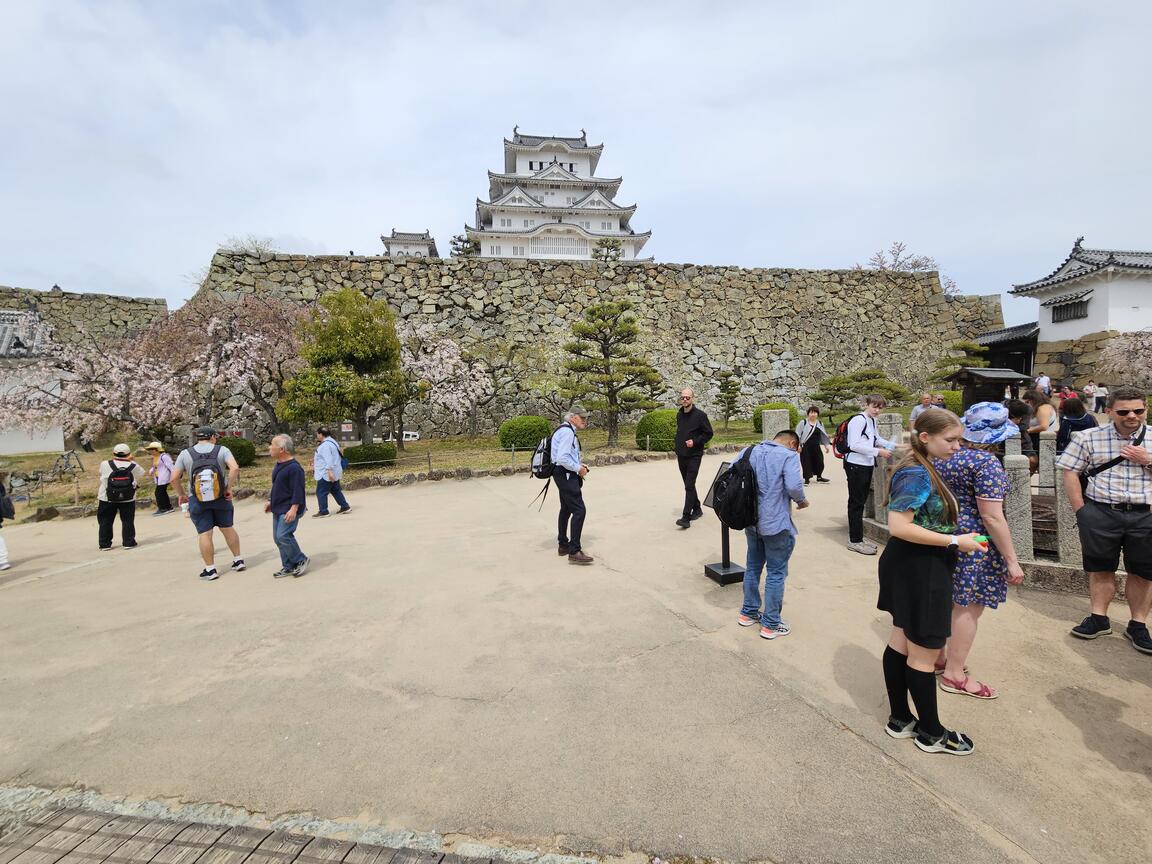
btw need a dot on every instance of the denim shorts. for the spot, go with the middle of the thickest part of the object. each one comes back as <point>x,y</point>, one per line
<point>207,515</point>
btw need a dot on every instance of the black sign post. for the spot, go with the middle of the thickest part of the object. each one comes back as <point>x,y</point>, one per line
<point>725,572</point>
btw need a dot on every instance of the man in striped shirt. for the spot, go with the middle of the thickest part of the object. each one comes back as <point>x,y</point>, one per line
<point>1114,512</point>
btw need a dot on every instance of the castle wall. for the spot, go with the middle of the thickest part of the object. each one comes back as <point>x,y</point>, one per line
<point>69,313</point>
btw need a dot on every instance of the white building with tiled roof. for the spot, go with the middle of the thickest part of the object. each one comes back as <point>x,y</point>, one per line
<point>418,244</point>
<point>549,203</point>
<point>23,337</point>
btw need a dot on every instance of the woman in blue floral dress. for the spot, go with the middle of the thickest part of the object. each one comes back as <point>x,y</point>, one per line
<point>979,482</point>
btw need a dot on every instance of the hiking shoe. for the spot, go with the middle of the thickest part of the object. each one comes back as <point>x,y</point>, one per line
<point>781,629</point>
<point>901,728</point>
<point>952,743</point>
<point>744,621</point>
<point>300,569</point>
<point>863,548</point>
<point>1093,626</point>
<point>280,574</point>
<point>563,550</point>
<point>343,510</point>
<point>238,564</point>
<point>696,514</point>
<point>579,557</point>
<point>684,522</point>
<point>1137,634</point>
<point>208,575</point>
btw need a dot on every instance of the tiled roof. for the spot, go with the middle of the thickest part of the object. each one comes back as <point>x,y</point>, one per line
<point>22,334</point>
<point>1009,334</point>
<point>1068,298</point>
<point>534,140</point>
<point>410,236</point>
<point>1083,262</point>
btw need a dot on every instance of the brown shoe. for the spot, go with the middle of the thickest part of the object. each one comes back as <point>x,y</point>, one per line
<point>563,550</point>
<point>579,558</point>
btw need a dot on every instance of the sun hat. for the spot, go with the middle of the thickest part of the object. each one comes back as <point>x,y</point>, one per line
<point>155,445</point>
<point>122,450</point>
<point>206,432</point>
<point>987,423</point>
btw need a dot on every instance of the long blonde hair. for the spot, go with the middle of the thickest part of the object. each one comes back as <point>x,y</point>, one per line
<point>935,422</point>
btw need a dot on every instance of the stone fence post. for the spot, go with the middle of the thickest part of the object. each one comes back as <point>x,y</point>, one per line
<point>1067,533</point>
<point>1012,446</point>
<point>774,420</point>
<point>891,428</point>
<point>1018,505</point>
<point>1048,462</point>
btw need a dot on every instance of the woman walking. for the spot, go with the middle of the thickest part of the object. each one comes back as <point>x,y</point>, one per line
<point>814,443</point>
<point>161,473</point>
<point>979,483</point>
<point>916,583</point>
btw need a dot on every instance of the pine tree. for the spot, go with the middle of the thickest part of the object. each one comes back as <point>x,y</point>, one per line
<point>729,385</point>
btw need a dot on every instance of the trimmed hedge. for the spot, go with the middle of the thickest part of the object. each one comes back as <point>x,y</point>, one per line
<point>659,428</point>
<point>360,454</point>
<point>953,401</point>
<point>243,449</point>
<point>524,432</point>
<point>758,418</point>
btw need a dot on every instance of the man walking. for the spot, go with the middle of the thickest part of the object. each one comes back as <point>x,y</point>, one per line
<point>212,475</point>
<point>327,469</point>
<point>927,400</point>
<point>286,503</point>
<point>771,540</point>
<point>569,472</point>
<point>116,496</point>
<point>865,445</point>
<point>1044,384</point>
<point>693,432</point>
<point>1114,513</point>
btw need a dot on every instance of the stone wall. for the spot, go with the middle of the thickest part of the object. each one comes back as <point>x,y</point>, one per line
<point>785,329</point>
<point>101,315</point>
<point>1072,361</point>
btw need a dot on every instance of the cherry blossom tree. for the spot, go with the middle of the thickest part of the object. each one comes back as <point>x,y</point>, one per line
<point>897,258</point>
<point>1127,360</point>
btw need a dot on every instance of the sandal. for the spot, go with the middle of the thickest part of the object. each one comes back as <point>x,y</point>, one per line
<point>961,687</point>
<point>940,667</point>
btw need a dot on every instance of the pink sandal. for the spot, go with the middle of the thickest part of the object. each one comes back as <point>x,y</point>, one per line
<point>961,687</point>
<point>940,667</point>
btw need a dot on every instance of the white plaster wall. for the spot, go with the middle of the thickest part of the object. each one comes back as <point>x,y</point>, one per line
<point>17,439</point>
<point>419,250</point>
<point>1130,303</point>
<point>581,163</point>
<point>1096,321</point>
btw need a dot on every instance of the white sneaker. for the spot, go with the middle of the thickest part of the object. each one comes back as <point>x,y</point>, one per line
<point>5,566</point>
<point>863,548</point>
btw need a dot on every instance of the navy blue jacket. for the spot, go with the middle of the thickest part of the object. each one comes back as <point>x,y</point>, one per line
<point>287,488</point>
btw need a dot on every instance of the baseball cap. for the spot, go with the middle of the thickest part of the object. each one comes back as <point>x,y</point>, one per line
<point>122,450</point>
<point>206,432</point>
<point>579,410</point>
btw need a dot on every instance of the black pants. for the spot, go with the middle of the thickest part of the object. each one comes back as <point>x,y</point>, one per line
<point>571,522</point>
<point>812,458</point>
<point>859,484</point>
<point>163,502</point>
<point>106,514</point>
<point>689,469</point>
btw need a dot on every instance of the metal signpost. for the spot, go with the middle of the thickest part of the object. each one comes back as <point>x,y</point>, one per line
<point>725,572</point>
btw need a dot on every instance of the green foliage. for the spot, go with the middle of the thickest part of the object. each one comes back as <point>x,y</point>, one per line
<point>657,430</point>
<point>608,249</point>
<point>953,401</point>
<point>460,246</point>
<point>729,386</point>
<point>361,454</point>
<point>758,418</point>
<point>841,393</point>
<point>524,432</point>
<point>243,449</point>
<point>606,368</point>
<point>960,354</point>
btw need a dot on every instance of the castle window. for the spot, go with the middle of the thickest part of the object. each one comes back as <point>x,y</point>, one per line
<point>1069,311</point>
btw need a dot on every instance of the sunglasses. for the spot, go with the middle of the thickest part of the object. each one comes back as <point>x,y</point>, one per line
<point>1124,412</point>
<point>685,398</point>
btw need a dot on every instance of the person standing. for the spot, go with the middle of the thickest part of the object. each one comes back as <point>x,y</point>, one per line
<point>1044,416</point>
<point>5,503</point>
<point>927,400</point>
<point>213,473</point>
<point>287,503</point>
<point>1073,418</point>
<point>1043,384</point>
<point>1101,398</point>
<point>693,432</point>
<point>773,537</point>
<point>1089,394</point>
<point>814,444</point>
<point>328,468</point>
<point>569,473</point>
<point>161,474</point>
<point>865,447</point>
<point>1114,513</point>
<point>116,496</point>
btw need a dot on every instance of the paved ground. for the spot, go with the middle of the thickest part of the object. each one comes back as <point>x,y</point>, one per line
<point>442,670</point>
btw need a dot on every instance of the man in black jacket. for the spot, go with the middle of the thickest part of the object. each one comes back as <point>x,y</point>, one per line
<point>693,432</point>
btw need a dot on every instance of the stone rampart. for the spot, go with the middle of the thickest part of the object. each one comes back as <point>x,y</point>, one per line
<point>784,329</point>
<point>69,313</point>
<point>1073,361</point>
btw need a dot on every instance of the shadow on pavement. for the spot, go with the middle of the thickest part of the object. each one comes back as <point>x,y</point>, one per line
<point>1098,718</point>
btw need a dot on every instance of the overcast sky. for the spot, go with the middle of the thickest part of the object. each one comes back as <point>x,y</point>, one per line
<point>136,137</point>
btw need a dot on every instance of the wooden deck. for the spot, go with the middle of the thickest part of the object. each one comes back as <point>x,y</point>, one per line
<point>87,837</point>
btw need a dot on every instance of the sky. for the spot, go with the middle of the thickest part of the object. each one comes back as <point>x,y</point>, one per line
<point>136,137</point>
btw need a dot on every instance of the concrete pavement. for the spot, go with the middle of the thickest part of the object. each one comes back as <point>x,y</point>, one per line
<point>441,669</point>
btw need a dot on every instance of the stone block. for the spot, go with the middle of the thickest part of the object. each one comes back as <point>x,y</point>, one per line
<point>1067,534</point>
<point>1018,505</point>
<point>774,420</point>
<point>1047,461</point>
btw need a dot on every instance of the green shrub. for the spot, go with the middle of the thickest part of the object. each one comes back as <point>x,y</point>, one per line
<point>657,430</point>
<point>361,454</point>
<point>758,418</point>
<point>953,401</point>
<point>243,449</point>
<point>524,432</point>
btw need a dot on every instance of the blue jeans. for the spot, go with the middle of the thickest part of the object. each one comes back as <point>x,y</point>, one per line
<point>284,533</point>
<point>771,555</point>
<point>323,487</point>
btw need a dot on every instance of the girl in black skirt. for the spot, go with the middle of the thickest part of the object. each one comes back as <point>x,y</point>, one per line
<point>916,583</point>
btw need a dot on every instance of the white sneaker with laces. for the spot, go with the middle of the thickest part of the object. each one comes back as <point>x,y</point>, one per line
<point>863,548</point>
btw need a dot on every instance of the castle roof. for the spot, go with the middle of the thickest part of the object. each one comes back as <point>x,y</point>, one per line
<point>22,334</point>
<point>523,143</point>
<point>497,182</point>
<point>1082,262</point>
<point>570,226</point>
<point>423,237</point>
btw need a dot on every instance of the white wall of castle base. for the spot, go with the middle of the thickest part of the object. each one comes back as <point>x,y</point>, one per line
<point>1130,304</point>
<point>15,442</point>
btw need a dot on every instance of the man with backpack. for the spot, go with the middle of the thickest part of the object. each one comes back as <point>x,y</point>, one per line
<point>858,442</point>
<point>568,473</point>
<point>116,495</point>
<point>328,468</point>
<point>212,474</point>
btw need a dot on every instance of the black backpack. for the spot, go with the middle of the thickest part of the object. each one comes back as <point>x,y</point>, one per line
<point>542,463</point>
<point>735,497</point>
<point>121,483</point>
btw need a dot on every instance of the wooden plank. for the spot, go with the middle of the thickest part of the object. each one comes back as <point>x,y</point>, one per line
<point>325,850</point>
<point>280,847</point>
<point>406,856</point>
<point>235,845</point>
<point>148,841</point>
<point>189,844</point>
<point>95,848</point>
<point>31,832</point>
<point>55,845</point>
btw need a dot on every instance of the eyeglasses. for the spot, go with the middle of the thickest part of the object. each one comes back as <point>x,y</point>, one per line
<point>685,398</point>
<point>1124,412</point>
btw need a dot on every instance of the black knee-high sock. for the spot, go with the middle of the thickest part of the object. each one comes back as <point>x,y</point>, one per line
<point>895,665</point>
<point>922,686</point>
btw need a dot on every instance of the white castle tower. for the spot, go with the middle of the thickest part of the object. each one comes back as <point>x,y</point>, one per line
<point>548,203</point>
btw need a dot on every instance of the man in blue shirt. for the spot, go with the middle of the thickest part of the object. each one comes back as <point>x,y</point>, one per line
<point>286,503</point>
<point>779,482</point>
<point>568,472</point>
<point>327,471</point>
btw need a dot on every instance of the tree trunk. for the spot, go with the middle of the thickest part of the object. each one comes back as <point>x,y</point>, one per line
<point>363,427</point>
<point>613,423</point>
<point>399,430</point>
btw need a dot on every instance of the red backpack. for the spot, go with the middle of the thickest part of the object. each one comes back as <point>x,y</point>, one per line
<point>840,446</point>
